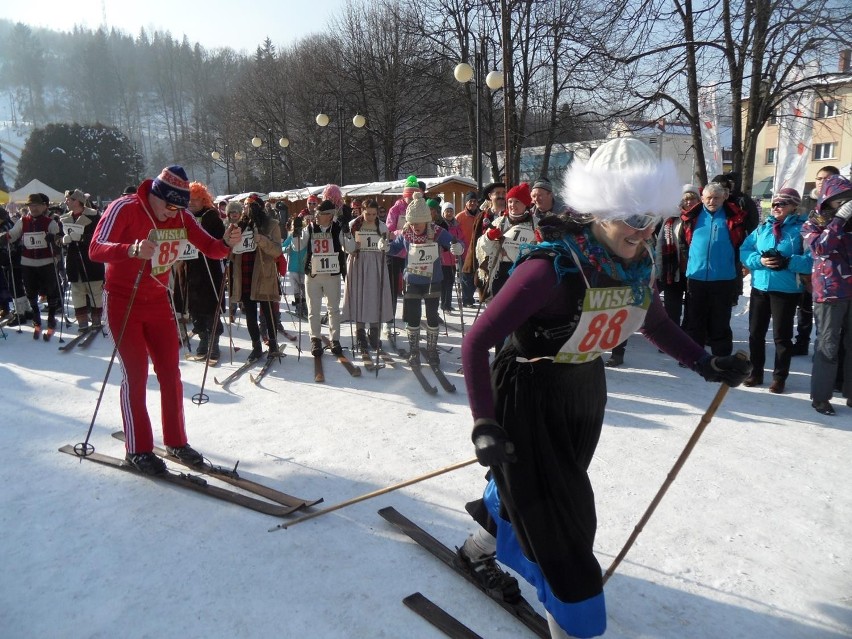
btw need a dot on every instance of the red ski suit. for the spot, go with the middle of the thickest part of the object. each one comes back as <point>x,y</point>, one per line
<point>151,329</point>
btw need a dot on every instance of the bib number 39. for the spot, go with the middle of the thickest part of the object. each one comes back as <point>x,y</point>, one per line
<point>604,331</point>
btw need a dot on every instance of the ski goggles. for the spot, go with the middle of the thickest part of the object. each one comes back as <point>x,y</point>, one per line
<point>640,222</point>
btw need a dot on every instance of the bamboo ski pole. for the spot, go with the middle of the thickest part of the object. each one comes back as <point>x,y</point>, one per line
<point>375,493</point>
<point>696,435</point>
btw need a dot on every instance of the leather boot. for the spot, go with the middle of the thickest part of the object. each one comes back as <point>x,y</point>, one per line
<point>81,314</point>
<point>361,340</point>
<point>374,337</point>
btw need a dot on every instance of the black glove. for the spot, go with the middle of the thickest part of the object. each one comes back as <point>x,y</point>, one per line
<point>492,445</point>
<point>731,370</point>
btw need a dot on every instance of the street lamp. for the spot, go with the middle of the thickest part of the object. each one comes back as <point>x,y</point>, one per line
<point>218,156</point>
<point>464,73</point>
<point>359,121</point>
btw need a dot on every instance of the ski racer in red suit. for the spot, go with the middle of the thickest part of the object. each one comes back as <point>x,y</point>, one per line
<point>140,236</point>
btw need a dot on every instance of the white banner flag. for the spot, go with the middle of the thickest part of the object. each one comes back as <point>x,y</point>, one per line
<point>708,116</point>
<point>795,132</point>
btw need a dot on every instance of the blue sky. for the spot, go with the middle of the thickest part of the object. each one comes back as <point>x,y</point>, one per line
<point>214,23</point>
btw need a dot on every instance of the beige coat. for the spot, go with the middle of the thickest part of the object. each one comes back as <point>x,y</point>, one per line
<point>264,277</point>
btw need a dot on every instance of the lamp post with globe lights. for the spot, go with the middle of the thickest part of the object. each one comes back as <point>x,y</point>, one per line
<point>464,73</point>
<point>358,121</point>
<point>283,142</point>
<point>224,157</point>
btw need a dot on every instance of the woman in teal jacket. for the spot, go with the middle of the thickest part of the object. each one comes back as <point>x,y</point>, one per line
<point>775,255</point>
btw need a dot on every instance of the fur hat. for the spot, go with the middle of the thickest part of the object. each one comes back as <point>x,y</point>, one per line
<point>520,193</point>
<point>172,185</point>
<point>78,195</point>
<point>418,211</point>
<point>233,207</point>
<point>622,178</point>
<point>37,198</point>
<point>833,187</point>
<point>411,186</point>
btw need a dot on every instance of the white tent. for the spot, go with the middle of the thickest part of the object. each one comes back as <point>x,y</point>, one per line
<point>36,186</point>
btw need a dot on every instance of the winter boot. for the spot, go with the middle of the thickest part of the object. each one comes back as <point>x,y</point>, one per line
<point>432,346</point>
<point>97,319</point>
<point>336,349</point>
<point>316,346</point>
<point>215,354</point>
<point>203,343</point>
<point>414,346</point>
<point>256,351</point>
<point>374,336</point>
<point>146,463</point>
<point>82,316</point>
<point>187,454</point>
<point>489,576</point>
<point>273,348</point>
<point>361,340</point>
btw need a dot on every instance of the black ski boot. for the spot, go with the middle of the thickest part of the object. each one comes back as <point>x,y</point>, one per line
<point>215,353</point>
<point>414,346</point>
<point>432,346</point>
<point>336,349</point>
<point>490,577</point>
<point>361,340</point>
<point>374,337</point>
<point>187,454</point>
<point>146,463</point>
<point>316,346</point>
<point>273,349</point>
<point>256,351</point>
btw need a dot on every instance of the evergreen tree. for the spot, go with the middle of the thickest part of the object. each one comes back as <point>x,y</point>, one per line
<point>96,158</point>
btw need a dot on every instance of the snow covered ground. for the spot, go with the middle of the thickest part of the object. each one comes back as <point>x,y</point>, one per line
<point>752,539</point>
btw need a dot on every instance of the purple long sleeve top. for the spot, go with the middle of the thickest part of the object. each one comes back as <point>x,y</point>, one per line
<point>533,291</point>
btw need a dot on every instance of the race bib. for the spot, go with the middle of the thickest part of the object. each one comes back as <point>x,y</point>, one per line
<point>422,258</point>
<point>322,244</point>
<point>327,264</point>
<point>608,318</point>
<point>513,239</point>
<point>34,240</point>
<point>367,240</point>
<point>74,230</point>
<point>190,252</point>
<point>170,244</point>
<point>246,243</point>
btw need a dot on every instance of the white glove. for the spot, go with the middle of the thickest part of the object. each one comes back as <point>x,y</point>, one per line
<point>382,244</point>
<point>456,248</point>
<point>845,211</point>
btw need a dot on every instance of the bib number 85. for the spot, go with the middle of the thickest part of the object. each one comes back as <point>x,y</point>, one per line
<point>604,331</point>
<point>169,252</point>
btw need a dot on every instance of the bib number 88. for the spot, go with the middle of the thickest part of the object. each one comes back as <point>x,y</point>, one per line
<point>604,331</point>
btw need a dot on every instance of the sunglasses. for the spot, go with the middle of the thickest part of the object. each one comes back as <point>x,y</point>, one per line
<point>172,207</point>
<point>640,222</point>
<point>778,205</point>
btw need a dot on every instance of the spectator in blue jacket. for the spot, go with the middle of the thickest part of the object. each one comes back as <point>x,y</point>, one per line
<point>713,231</point>
<point>775,255</point>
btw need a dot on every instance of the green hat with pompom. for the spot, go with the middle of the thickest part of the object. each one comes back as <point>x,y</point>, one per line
<point>410,187</point>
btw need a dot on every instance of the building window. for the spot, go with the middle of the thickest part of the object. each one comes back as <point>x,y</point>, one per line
<point>827,109</point>
<point>773,118</point>
<point>825,151</point>
<point>770,156</point>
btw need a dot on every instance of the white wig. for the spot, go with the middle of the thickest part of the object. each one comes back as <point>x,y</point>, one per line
<point>623,177</point>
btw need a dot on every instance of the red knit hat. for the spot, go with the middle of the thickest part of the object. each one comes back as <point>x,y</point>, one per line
<point>520,193</point>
